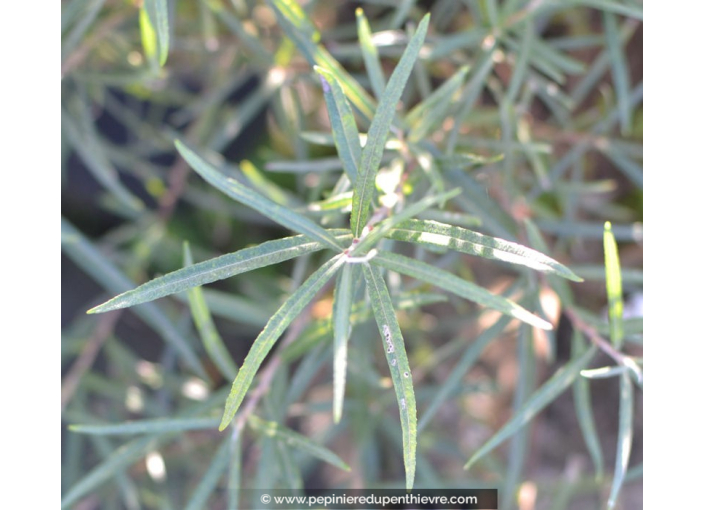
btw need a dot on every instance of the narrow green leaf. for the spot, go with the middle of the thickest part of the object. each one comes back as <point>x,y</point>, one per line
<point>403,9</point>
<point>428,114</point>
<point>86,15</point>
<point>456,376</point>
<point>129,453</point>
<point>379,130</point>
<point>433,233</point>
<point>267,187</point>
<point>209,482</point>
<point>321,329</point>
<point>290,471</point>
<point>465,160</point>
<point>583,408</point>
<point>237,308</point>
<point>250,198</point>
<point>613,287</point>
<point>157,426</point>
<point>386,226</point>
<point>344,127</point>
<point>318,165</point>
<point>456,285</point>
<point>558,284</point>
<point>248,40</point>
<point>397,359</point>
<point>548,392</point>
<point>158,11</point>
<point>120,458</point>
<point>619,70</point>
<point>81,134</point>
<point>225,266</point>
<point>525,384</point>
<point>370,54</point>
<point>97,266</point>
<point>148,36</point>
<point>341,309</point>
<point>234,479</point>
<point>300,29</point>
<point>625,438</point>
<point>212,341</point>
<point>604,372</point>
<point>471,93</point>
<point>630,168</point>
<point>293,306</point>
<point>291,438</point>
<point>520,69</point>
<point>332,203</point>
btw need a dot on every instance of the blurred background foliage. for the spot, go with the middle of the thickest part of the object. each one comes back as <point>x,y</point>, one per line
<point>543,135</point>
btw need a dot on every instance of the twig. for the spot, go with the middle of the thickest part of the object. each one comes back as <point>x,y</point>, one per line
<point>603,344</point>
<point>79,55</point>
<point>267,374</point>
<point>103,330</point>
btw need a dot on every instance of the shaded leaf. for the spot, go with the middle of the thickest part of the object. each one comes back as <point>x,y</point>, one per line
<point>209,482</point>
<point>370,54</point>
<point>428,114</point>
<point>250,198</point>
<point>344,127</point>
<point>541,398</point>
<point>212,341</point>
<point>583,408</point>
<point>94,263</point>
<point>296,440</point>
<point>625,438</point>
<point>155,426</point>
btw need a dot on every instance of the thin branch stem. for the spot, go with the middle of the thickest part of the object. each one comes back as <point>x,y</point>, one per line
<point>103,331</point>
<point>603,344</point>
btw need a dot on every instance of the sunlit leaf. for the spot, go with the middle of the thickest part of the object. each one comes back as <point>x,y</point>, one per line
<point>342,307</point>
<point>451,283</point>
<point>225,266</point>
<point>396,357</point>
<point>456,238</point>
<point>613,287</point>
<point>291,308</point>
<point>158,11</point>
<point>379,130</point>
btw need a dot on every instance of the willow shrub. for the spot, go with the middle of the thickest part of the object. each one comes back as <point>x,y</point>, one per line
<point>426,112</point>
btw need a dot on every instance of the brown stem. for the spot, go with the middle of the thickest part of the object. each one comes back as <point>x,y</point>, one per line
<point>85,360</point>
